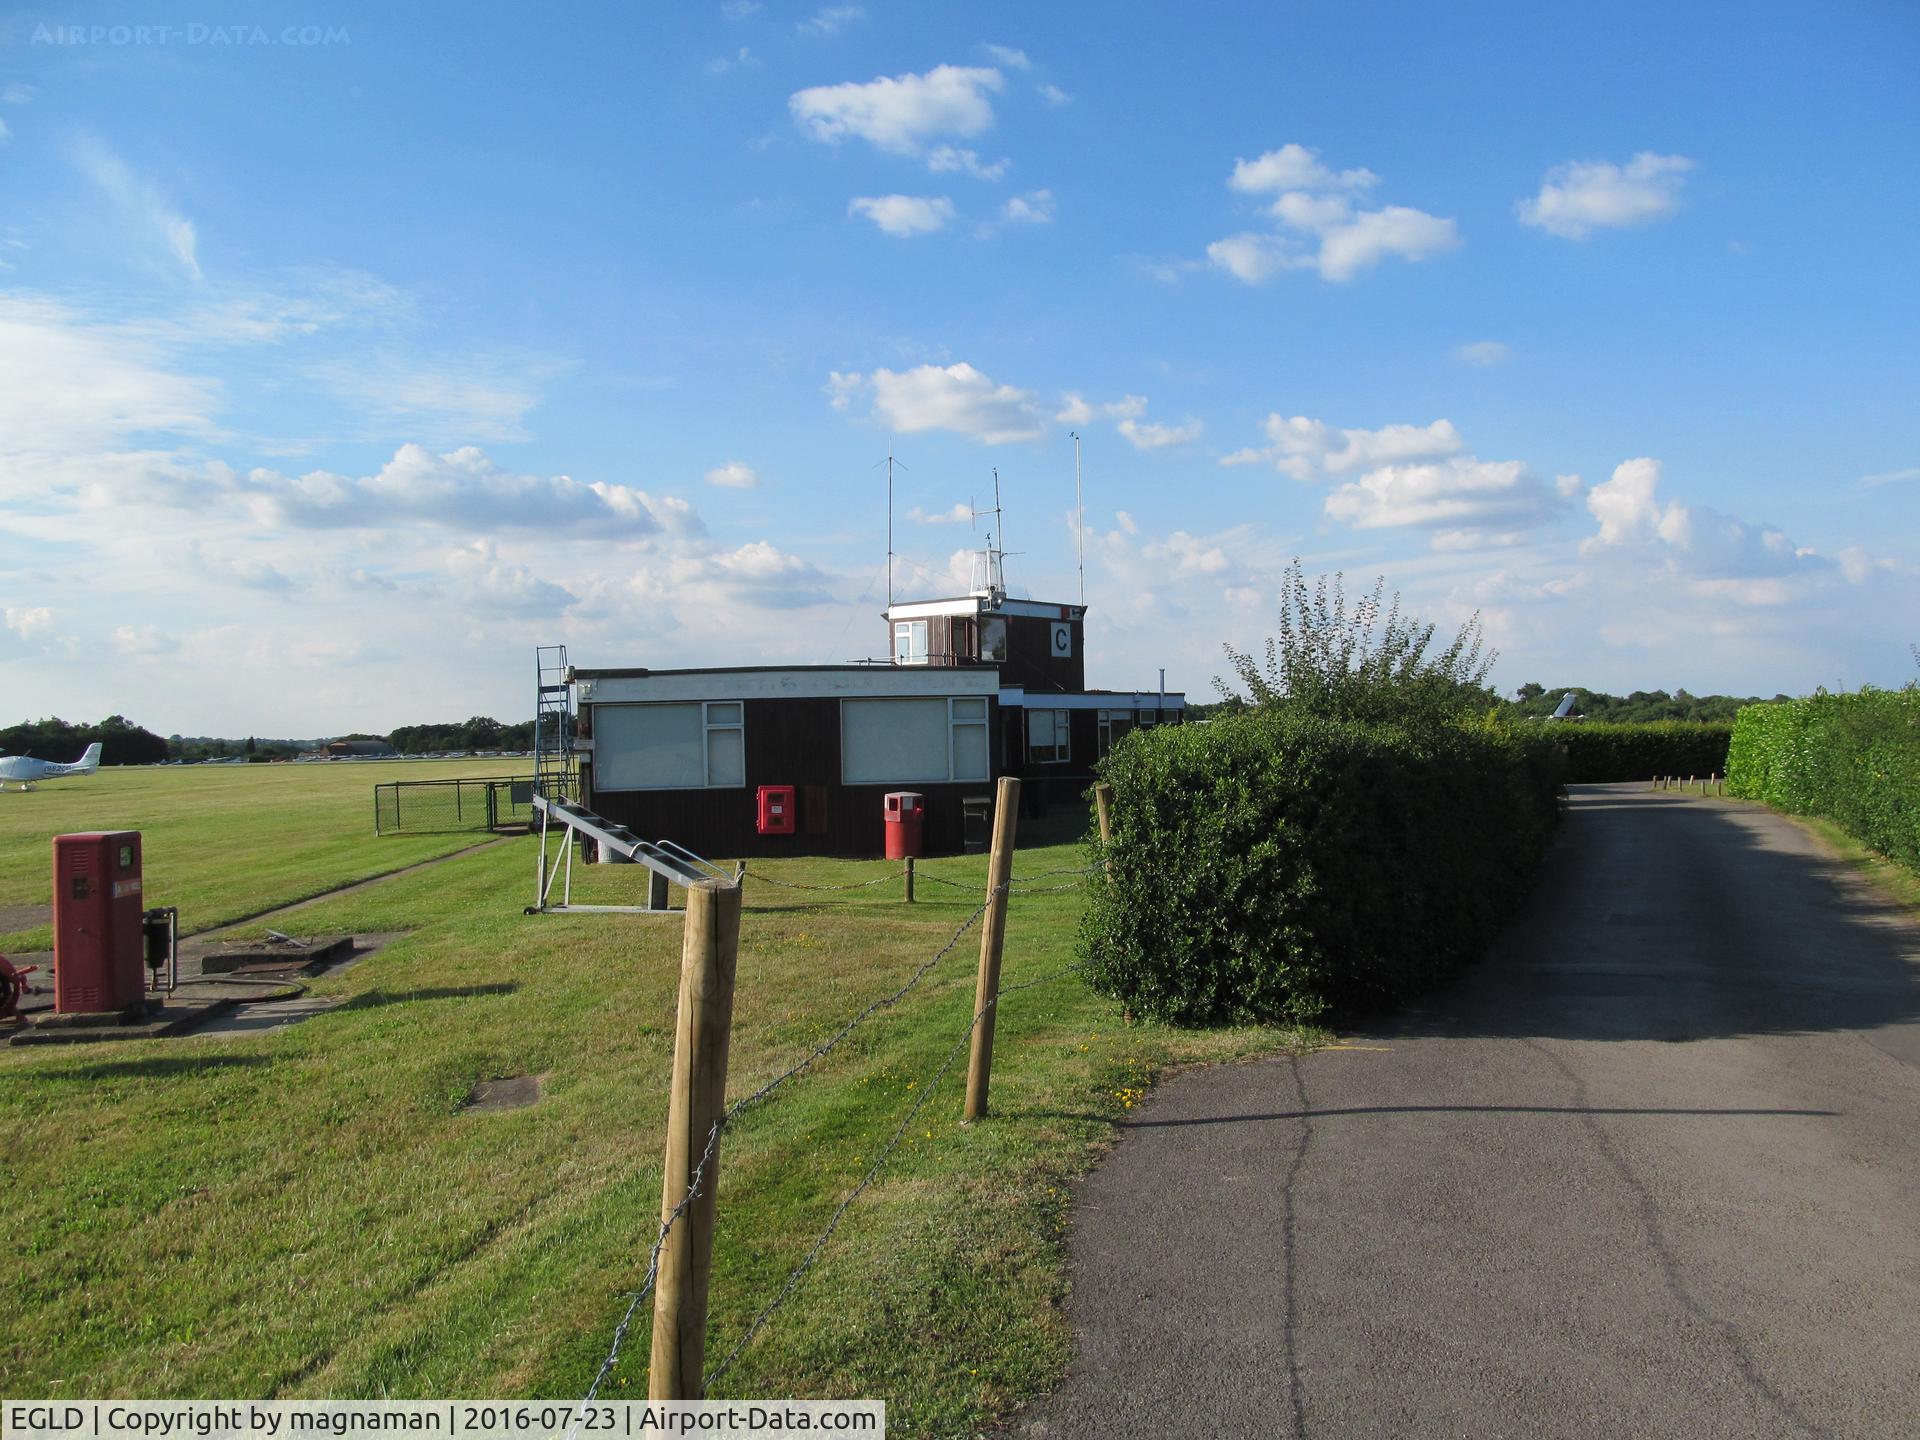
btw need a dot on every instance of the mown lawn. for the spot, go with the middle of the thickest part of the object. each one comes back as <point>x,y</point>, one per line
<point>222,841</point>
<point>308,1211</point>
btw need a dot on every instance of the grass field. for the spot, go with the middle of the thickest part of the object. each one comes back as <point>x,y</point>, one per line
<point>222,841</point>
<point>309,1212</point>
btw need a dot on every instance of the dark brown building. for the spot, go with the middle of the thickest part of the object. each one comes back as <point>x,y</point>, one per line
<point>974,687</point>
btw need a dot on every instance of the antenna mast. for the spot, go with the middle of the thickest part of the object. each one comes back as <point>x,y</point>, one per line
<point>1079,520</point>
<point>889,530</point>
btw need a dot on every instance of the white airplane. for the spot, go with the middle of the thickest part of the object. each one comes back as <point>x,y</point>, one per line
<point>27,770</point>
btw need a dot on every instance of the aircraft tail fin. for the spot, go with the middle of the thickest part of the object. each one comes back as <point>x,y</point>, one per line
<point>91,760</point>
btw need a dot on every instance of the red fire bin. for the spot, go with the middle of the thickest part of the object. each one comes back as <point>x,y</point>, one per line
<point>775,815</point>
<point>97,912</point>
<point>906,811</point>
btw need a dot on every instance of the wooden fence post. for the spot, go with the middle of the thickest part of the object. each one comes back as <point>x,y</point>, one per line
<point>909,879</point>
<point>1103,803</point>
<point>708,955</point>
<point>993,932</point>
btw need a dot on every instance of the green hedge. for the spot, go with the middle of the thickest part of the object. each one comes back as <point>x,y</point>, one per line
<point>1598,753</point>
<point>1854,759</point>
<point>1279,867</point>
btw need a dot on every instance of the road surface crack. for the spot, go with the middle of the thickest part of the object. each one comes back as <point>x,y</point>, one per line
<point>1674,1277</point>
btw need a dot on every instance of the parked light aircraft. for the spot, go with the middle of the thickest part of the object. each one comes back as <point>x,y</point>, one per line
<point>26,770</point>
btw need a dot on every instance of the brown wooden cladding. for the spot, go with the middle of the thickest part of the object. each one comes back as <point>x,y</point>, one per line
<point>791,741</point>
<point>1031,662</point>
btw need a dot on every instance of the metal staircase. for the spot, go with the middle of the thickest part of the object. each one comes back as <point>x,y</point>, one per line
<point>556,772</point>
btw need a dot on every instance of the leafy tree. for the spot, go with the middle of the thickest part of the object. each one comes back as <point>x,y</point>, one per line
<point>1361,662</point>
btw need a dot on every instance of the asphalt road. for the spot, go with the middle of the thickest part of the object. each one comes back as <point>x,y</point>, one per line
<point>1652,1168</point>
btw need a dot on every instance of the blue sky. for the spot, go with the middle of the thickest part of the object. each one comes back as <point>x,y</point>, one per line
<point>347,352</point>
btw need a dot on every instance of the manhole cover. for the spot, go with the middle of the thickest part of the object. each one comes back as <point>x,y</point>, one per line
<point>515,1092</point>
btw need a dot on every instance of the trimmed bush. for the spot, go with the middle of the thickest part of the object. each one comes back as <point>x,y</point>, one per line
<point>1854,759</point>
<point>1278,866</point>
<point>1599,753</point>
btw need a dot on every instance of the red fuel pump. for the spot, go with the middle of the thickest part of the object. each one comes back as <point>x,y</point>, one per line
<point>97,923</point>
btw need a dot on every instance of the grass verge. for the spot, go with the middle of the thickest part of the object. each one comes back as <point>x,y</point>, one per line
<point>309,1212</point>
<point>222,841</point>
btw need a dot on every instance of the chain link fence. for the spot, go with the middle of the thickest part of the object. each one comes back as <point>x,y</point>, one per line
<point>422,807</point>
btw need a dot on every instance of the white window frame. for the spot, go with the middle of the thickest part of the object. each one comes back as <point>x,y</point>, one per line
<point>910,632</point>
<point>1062,746</point>
<point>708,726</point>
<point>955,722</point>
<point>1107,717</point>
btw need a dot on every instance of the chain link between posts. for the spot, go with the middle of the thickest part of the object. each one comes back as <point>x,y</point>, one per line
<point>713,1140</point>
<point>639,1296</point>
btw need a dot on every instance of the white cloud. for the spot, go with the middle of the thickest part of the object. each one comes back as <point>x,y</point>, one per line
<point>35,623</point>
<point>463,489</point>
<point>141,205</point>
<point>959,514</point>
<point>70,380</point>
<point>1318,226</point>
<point>1248,257</point>
<point>1891,477</point>
<point>1294,167</point>
<point>1033,208</point>
<point>741,59</point>
<point>734,475</point>
<point>1582,196</point>
<point>486,581</point>
<point>245,571</point>
<point>957,398</point>
<point>1373,235</point>
<point>5,133</point>
<point>1626,508</point>
<point>16,95</point>
<point>901,113</point>
<point>1717,554</point>
<point>1008,56</point>
<point>1446,540</point>
<point>945,159</point>
<point>1075,410</point>
<point>1055,96</point>
<point>1159,437</point>
<point>1484,353</point>
<point>905,215</point>
<point>471,396</point>
<point>1305,449</point>
<point>739,10</point>
<point>143,640</point>
<point>1463,493</point>
<point>759,575</point>
<point>830,20</point>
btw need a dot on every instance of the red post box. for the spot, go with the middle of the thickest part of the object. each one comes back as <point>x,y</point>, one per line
<point>906,812</point>
<point>776,812</point>
<point>97,915</point>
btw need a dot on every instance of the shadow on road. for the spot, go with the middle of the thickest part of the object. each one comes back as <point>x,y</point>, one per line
<point>1662,918</point>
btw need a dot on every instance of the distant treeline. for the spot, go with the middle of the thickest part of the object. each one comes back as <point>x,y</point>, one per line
<point>482,732</point>
<point>1642,707</point>
<point>121,741</point>
<point>124,743</point>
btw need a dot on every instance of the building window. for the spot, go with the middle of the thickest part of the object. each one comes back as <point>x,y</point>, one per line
<point>910,642</point>
<point>726,743</point>
<point>1114,724</point>
<point>972,753</point>
<point>993,639</point>
<point>904,742</point>
<point>1047,735</point>
<point>670,747</point>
